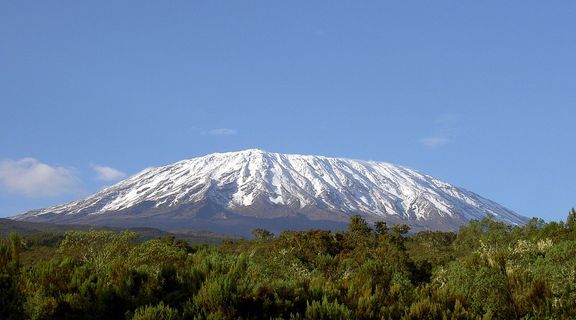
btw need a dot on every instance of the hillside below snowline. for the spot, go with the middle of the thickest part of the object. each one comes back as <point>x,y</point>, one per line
<point>238,191</point>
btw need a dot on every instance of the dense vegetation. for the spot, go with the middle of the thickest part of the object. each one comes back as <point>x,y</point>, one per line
<point>488,270</point>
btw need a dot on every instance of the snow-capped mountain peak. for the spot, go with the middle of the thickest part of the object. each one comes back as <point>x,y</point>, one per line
<point>254,182</point>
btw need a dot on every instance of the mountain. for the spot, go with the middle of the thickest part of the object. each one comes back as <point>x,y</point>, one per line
<point>239,191</point>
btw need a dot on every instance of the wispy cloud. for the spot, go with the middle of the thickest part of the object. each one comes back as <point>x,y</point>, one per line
<point>442,132</point>
<point>32,178</point>
<point>446,121</point>
<point>105,173</point>
<point>221,132</point>
<point>434,142</point>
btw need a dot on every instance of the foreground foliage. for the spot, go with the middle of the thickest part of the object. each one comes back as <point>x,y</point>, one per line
<point>488,270</point>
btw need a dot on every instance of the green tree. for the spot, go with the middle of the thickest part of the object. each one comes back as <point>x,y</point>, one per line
<point>381,227</point>
<point>571,220</point>
<point>358,226</point>
<point>10,297</point>
<point>262,234</point>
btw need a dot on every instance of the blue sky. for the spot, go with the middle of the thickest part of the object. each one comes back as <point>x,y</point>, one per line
<point>480,94</point>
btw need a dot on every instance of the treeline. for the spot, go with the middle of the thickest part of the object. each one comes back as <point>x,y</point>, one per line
<point>488,270</point>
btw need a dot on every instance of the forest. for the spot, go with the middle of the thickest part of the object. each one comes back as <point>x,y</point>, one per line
<point>487,270</point>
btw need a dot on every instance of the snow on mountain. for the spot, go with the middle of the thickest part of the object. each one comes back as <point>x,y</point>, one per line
<point>239,181</point>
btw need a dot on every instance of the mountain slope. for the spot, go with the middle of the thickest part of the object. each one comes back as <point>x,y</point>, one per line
<point>25,228</point>
<point>251,186</point>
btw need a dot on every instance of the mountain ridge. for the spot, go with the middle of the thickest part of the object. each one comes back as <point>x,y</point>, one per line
<point>265,185</point>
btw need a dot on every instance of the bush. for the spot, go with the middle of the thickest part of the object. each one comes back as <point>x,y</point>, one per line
<point>157,312</point>
<point>327,310</point>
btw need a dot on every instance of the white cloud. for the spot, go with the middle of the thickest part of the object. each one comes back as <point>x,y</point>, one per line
<point>444,127</point>
<point>221,132</point>
<point>434,142</point>
<point>32,178</point>
<point>107,173</point>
